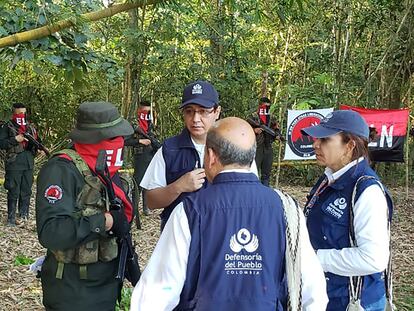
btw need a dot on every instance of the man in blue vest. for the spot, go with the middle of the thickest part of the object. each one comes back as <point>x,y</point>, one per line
<point>223,247</point>
<point>176,169</point>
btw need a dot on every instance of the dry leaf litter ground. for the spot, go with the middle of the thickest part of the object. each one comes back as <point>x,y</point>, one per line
<point>21,290</point>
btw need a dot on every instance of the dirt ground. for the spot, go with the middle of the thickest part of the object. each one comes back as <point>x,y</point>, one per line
<point>21,290</point>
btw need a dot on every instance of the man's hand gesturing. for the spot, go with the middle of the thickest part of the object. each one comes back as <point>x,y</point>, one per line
<point>192,181</point>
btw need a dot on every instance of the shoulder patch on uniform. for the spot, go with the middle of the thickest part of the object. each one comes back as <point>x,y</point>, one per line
<point>53,193</point>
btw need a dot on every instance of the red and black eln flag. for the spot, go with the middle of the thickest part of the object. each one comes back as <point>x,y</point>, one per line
<point>388,129</point>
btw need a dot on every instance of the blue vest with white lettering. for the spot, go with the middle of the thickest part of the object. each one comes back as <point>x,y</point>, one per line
<point>180,157</point>
<point>328,225</point>
<point>237,252</point>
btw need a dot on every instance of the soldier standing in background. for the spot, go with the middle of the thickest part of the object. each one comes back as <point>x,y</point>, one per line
<point>264,152</point>
<point>144,148</point>
<point>19,162</point>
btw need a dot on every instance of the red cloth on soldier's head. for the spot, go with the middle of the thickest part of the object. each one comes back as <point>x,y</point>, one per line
<point>264,113</point>
<point>114,150</point>
<point>144,118</point>
<point>20,120</point>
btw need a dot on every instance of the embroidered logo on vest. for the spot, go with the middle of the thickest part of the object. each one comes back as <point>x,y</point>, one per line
<point>243,239</point>
<point>336,208</point>
<point>246,262</point>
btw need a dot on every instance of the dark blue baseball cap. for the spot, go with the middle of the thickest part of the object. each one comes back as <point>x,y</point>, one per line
<point>200,93</point>
<point>346,121</point>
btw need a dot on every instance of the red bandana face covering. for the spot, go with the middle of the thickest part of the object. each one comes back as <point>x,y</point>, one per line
<point>20,119</point>
<point>113,147</point>
<point>264,114</point>
<point>144,119</point>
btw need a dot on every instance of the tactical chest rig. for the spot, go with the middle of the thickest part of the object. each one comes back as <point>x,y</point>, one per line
<point>92,200</point>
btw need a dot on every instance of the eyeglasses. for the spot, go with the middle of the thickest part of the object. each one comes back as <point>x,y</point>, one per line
<point>204,113</point>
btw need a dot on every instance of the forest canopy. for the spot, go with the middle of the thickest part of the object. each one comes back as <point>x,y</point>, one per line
<point>301,53</point>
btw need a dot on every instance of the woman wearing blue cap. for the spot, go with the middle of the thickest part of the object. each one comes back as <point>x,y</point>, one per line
<point>348,213</point>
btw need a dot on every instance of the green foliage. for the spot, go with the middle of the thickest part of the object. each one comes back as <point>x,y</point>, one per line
<point>22,260</point>
<point>316,54</point>
<point>124,305</point>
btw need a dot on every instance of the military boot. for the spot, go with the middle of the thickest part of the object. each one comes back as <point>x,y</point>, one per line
<point>24,208</point>
<point>11,212</point>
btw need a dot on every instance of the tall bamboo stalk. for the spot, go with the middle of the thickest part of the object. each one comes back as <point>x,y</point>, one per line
<point>284,65</point>
<point>407,160</point>
<point>47,30</point>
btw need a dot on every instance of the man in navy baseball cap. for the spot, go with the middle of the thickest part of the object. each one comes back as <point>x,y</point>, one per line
<point>346,121</point>
<point>177,168</point>
<point>201,93</point>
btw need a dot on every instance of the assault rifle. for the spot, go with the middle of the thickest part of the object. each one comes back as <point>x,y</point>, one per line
<point>30,138</point>
<point>155,143</point>
<point>128,265</point>
<point>35,142</point>
<point>276,134</point>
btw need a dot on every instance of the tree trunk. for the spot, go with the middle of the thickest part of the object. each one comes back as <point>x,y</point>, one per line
<point>217,58</point>
<point>52,28</point>
<point>265,78</point>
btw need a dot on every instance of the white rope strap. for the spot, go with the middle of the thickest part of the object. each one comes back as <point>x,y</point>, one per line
<point>293,250</point>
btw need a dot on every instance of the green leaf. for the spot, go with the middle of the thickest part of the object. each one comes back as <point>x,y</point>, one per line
<point>124,304</point>
<point>29,4</point>
<point>78,73</point>
<point>19,12</point>
<point>27,55</point>
<point>74,55</point>
<point>80,38</point>
<point>324,78</point>
<point>38,70</point>
<point>42,19</point>
<point>55,60</point>
<point>69,75</point>
<point>3,31</point>
<point>21,260</point>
